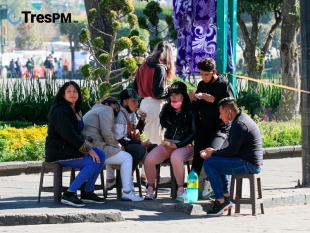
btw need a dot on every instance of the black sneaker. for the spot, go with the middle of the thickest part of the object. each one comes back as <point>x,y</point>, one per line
<point>91,197</point>
<point>219,208</point>
<point>70,198</point>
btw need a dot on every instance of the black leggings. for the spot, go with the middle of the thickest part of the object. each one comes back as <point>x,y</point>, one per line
<point>204,140</point>
<point>137,152</point>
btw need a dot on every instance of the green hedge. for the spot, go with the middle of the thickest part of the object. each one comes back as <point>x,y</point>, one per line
<point>19,145</point>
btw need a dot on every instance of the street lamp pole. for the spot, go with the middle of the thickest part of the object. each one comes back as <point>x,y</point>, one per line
<point>305,82</point>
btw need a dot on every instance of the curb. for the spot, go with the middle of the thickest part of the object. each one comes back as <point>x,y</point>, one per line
<point>198,209</point>
<point>201,207</point>
<point>35,219</point>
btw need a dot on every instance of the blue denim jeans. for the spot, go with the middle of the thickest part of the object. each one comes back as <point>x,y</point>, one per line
<point>89,173</point>
<point>217,169</point>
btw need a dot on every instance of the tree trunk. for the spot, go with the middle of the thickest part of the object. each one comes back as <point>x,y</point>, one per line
<point>102,24</point>
<point>290,100</point>
<point>255,64</point>
<point>72,55</point>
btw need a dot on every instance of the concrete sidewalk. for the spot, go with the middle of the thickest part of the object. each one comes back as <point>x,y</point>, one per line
<point>19,205</point>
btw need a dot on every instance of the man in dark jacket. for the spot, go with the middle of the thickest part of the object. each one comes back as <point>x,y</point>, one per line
<point>212,132</point>
<point>243,155</point>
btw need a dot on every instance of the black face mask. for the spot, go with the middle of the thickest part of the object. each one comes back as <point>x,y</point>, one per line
<point>115,113</point>
<point>128,109</point>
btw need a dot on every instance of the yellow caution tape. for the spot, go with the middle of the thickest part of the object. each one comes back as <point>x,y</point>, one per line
<point>268,83</point>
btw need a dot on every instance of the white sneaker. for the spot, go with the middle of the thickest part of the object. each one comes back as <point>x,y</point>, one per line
<point>131,197</point>
<point>132,186</point>
<point>207,189</point>
<point>111,185</point>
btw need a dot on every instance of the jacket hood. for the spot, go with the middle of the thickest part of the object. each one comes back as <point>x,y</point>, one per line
<point>221,79</point>
<point>152,62</point>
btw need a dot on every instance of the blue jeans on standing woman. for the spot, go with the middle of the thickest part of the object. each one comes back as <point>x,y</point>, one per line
<point>217,169</point>
<point>89,173</point>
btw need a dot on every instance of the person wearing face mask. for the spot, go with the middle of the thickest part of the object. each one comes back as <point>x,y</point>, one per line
<point>243,155</point>
<point>179,118</point>
<point>212,131</point>
<point>98,124</point>
<point>127,115</point>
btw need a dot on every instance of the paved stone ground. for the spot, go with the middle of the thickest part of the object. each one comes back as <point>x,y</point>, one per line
<point>19,205</point>
<point>276,220</point>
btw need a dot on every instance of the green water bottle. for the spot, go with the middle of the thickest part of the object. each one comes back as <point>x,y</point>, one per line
<point>192,186</point>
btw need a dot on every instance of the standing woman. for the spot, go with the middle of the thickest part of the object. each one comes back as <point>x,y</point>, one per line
<point>65,145</point>
<point>180,119</point>
<point>150,83</point>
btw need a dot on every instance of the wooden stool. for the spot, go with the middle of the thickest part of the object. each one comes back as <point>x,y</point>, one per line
<point>119,181</point>
<point>173,183</point>
<point>253,200</point>
<point>57,187</point>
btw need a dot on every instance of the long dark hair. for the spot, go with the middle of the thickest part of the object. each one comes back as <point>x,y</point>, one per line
<point>61,92</point>
<point>163,52</point>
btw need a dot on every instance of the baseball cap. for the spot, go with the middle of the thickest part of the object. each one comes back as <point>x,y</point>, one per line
<point>129,93</point>
<point>178,87</point>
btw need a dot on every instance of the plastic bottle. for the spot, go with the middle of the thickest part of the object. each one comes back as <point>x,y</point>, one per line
<point>192,186</point>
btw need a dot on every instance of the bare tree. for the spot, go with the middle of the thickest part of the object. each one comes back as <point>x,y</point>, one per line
<point>256,8</point>
<point>290,100</point>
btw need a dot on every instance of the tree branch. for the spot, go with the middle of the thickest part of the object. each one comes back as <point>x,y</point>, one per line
<point>118,75</point>
<point>118,60</point>
<point>278,18</point>
<point>163,29</point>
<point>244,30</point>
<point>116,85</point>
<point>100,31</point>
<point>119,70</point>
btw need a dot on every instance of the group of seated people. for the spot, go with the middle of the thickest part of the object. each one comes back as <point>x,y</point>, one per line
<point>109,134</point>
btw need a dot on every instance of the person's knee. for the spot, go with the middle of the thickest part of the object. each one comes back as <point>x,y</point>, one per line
<point>206,163</point>
<point>150,159</point>
<point>101,155</point>
<point>151,147</point>
<point>136,150</point>
<point>126,156</point>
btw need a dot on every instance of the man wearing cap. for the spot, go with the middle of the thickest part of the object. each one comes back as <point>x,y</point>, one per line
<point>98,124</point>
<point>243,155</point>
<point>127,115</point>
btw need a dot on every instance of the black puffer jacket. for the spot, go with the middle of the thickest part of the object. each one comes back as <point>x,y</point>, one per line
<point>64,140</point>
<point>179,126</point>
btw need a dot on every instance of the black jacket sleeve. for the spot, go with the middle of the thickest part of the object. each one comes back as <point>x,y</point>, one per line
<point>229,93</point>
<point>64,126</point>
<point>159,90</point>
<point>163,116</point>
<point>194,128</point>
<point>140,126</point>
<point>237,134</point>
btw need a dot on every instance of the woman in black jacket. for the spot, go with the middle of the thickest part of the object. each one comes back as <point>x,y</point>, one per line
<point>65,145</point>
<point>179,119</point>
